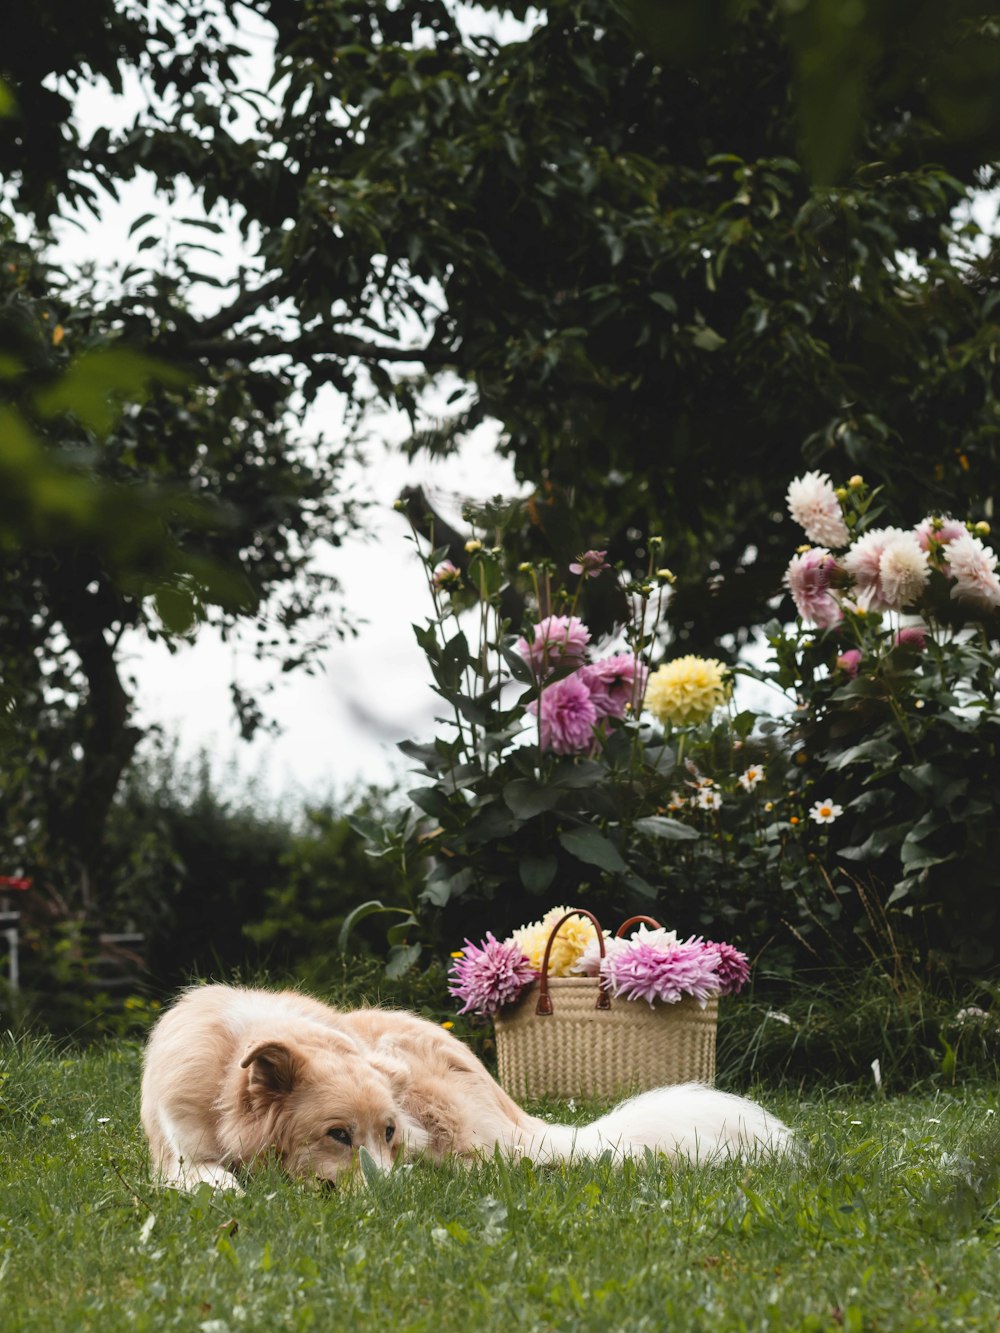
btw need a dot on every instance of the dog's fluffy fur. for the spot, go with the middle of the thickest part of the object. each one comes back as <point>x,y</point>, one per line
<point>233,1074</point>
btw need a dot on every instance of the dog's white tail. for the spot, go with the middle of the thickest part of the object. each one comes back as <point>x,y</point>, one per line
<point>689,1121</point>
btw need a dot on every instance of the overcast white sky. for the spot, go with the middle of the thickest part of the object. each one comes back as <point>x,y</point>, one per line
<point>339,727</point>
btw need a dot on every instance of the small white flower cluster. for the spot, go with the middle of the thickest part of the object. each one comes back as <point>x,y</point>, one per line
<point>707,795</point>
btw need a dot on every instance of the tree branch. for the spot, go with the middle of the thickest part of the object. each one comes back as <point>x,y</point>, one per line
<point>310,345</point>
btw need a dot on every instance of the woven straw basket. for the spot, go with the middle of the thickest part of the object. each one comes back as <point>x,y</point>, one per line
<point>565,1037</point>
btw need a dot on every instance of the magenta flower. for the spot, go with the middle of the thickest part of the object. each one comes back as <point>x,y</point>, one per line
<point>567,716</point>
<point>490,975</point>
<point>558,641</point>
<point>645,972</point>
<point>809,579</point>
<point>850,661</point>
<point>590,563</point>
<point>615,683</point>
<point>734,968</point>
<point>912,636</point>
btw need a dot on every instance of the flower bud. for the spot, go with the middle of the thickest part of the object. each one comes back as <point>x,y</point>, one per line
<point>473,545</point>
<point>841,493</point>
<point>856,482</point>
<point>981,529</point>
<point>667,575</point>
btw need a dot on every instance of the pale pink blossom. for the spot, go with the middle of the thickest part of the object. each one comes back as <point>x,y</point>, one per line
<point>812,502</point>
<point>615,683</point>
<point>864,564</point>
<point>446,575</point>
<point>903,570</point>
<point>590,563</point>
<point>809,579</point>
<point>589,962</point>
<point>644,971</point>
<point>558,641</point>
<point>973,567</point>
<point>935,529</point>
<point>566,716</point>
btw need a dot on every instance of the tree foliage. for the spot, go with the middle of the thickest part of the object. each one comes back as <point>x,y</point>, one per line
<point>621,238</point>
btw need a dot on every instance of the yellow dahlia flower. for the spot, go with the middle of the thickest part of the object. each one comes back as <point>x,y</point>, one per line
<point>687,690</point>
<point>574,936</point>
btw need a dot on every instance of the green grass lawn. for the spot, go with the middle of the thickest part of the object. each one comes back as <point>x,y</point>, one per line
<point>892,1222</point>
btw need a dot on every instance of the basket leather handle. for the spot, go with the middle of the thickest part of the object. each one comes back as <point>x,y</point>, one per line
<point>544,1004</point>
<point>634,921</point>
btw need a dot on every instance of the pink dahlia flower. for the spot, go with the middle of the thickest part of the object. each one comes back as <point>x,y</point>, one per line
<point>615,683</point>
<point>558,641</point>
<point>644,972</point>
<point>812,502</point>
<point>567,716</point>
<point>590,563</point>
<point>809,579</point>
<point>490,975</point>
<point>973,567</point>
<point>912,636</point>
<point>850,661</point>
<point>734,968</point>
<point>446,575</point>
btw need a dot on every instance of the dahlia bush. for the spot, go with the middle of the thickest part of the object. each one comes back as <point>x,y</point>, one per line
<point>550,774</point>
<point>613,771</point>
<point>892,674</point>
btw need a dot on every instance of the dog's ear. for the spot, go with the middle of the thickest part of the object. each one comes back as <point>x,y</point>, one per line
<point>274,1067</point>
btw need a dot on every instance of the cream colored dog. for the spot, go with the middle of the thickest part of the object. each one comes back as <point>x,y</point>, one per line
<point>233,1074</point>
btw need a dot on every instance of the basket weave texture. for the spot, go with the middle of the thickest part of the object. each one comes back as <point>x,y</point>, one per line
<point>582,1051</point>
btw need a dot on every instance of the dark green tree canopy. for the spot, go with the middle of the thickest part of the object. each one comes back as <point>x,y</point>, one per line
<point>610,230</point>
<point>622,256</point>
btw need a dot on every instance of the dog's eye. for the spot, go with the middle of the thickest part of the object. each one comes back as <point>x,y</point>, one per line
<point>341,1136</point>
<point>389,1131</point>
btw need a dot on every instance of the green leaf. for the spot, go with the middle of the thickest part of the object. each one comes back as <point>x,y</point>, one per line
<point>432,801</point>
<point>369,908</point>
<point>370,1169</point>
<point>875,751</point>
<point>442,886</point>
<point>592,847</point>
<point>527,798</point>
<point>662,826</point>
<point>97,384</point>
<point>538,872</point>
<point>579,773</point>
<point>402,957</point>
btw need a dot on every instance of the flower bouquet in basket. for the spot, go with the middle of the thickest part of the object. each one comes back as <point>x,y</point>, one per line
<point>565,998</point>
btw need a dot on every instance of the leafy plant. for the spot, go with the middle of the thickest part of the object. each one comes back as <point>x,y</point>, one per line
<point>896,724</point>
